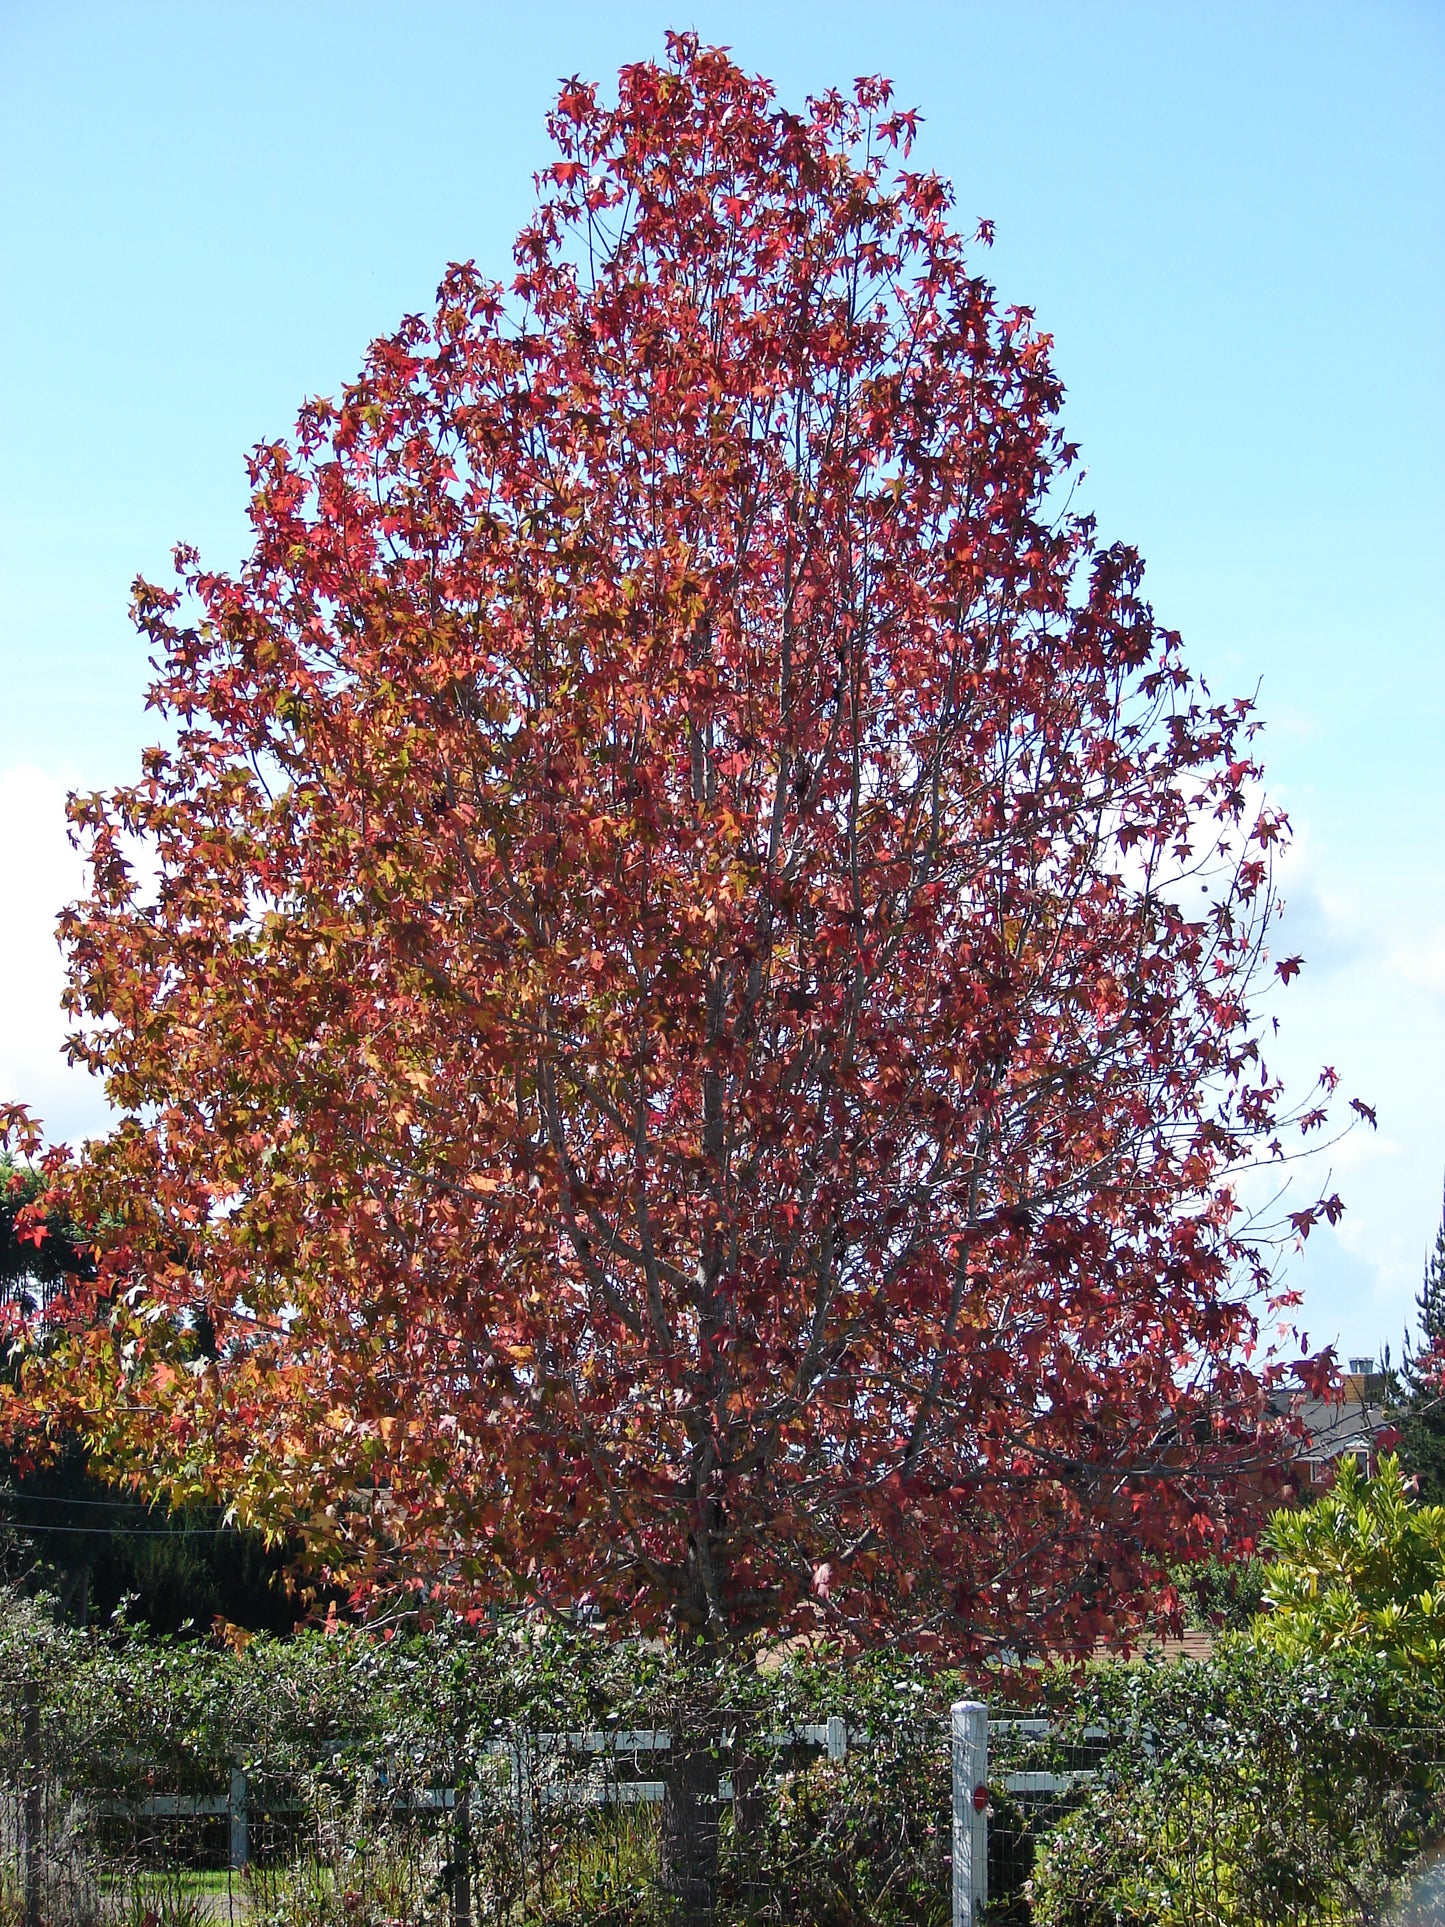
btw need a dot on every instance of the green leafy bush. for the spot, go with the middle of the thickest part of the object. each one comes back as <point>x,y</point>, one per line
<point>1260,1787</point>
<point>1360,1571</point>
<point>1250,1789</point>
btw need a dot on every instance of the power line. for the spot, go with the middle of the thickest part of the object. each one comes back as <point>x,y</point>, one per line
<point>179,1529</point>
<point>127,1532</point>
<point>56,1498</point>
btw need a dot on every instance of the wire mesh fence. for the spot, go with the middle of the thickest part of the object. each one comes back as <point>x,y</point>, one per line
<point>810,1821</point>
<point>495,1784</point>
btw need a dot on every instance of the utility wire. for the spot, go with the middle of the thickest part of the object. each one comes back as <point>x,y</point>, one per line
<point>55,1498</point>
<point>127,1532</point>
<point>181,1529</point>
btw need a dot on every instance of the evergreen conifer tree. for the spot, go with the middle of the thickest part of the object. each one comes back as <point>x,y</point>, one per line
<point>1419,1403</point>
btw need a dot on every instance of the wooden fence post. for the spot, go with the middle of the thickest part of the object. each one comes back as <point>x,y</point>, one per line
<point>970,1812</point>
<point>462,1858</point>
<point>239,1808</point>
<point>32,1805</point>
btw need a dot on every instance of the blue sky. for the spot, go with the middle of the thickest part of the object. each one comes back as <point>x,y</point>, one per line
<point>1229,217</point>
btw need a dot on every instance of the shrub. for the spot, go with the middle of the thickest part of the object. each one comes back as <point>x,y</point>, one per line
<point>1248,1789</point>
<point>1362,1570</point>
<point>1222,1594</point>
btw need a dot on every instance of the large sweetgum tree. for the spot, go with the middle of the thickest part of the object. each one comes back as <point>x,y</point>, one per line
<point>683,1007</point>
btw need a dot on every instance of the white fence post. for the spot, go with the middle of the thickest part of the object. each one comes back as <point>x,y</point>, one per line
<point>970,1812</point>
<point>837,1737</point>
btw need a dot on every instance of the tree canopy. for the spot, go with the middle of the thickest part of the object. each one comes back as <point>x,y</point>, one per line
<point>690,1014</point>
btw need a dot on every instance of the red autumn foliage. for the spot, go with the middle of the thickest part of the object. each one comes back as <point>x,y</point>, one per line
<point>687,1017</point>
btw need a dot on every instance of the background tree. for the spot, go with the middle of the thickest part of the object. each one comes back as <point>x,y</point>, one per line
<point>1417,1406</point>
<point>695,1027</point>
<point>92,1544</point>
<point>1221,1593</point>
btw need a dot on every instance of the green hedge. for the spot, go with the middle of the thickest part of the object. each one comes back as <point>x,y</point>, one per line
<point>1244,1791</point>
<point>349,1722</point>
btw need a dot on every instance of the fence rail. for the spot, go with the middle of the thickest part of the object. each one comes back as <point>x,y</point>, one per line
<point>832,1737</point>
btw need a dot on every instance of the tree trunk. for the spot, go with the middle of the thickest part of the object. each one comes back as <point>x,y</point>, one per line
<point>690,1828</point>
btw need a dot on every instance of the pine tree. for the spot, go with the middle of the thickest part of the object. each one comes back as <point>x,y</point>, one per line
<point>1419,1405</point>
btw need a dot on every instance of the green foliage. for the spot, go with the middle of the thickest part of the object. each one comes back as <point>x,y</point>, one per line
<point>100,1551</point>
<point>865,1840</point>
<point>356,1870</point>
<point>1244,1792</point>
<point>1221,1594</point>
<point>1359,1572</point>
<point>1296,1774</point>
<point>159,1898</point>
<point>608,1876</point>
<point>1258,1788</point>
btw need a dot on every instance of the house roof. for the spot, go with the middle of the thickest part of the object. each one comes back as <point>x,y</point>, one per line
<point>1333,1426</point>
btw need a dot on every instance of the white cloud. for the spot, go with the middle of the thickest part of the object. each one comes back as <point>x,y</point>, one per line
<point>39,874</point>
<point>1371,1001</point>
